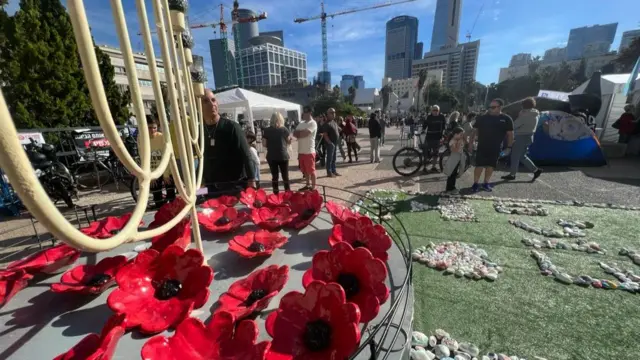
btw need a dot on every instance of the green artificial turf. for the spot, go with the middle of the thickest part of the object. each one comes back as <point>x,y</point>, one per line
<point>524,313</point>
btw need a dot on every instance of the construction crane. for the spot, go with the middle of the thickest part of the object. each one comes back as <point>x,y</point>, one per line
<point>474,23</point>
<point>323,21</point>
<point>224,36</point>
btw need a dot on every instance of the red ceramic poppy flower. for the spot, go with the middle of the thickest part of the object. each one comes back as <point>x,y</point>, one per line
<point>280,199</point>
<point>195,341</point>
<point>11,282</point>
<point>223,219</point>
<point>91,279</point>
<point>339,213</point>
<point>307,205</point>
<point>178,235</point>
<point>272,219</point>
<point>167,212</point>
<point>226,200</point>
<point>254,199</point>
<point>362,232</point>
<point>107,227</point>
<point>47,261</point>
<point>316,325</point>
<point>360,274</point>
<point>253,293</point>
<point>259,243</point>
<point>97,347</point>
<point>158,290</point>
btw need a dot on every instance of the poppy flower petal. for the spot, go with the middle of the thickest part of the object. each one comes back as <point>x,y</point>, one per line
<point>225,200</point>
<point>47,261</point>
<point>11,282</point>
<point>178,235</point>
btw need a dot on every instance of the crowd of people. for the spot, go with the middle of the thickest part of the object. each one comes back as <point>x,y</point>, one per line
<point>231,161</point>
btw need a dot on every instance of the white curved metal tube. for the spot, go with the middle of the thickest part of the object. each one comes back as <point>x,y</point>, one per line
<point>17,166</point>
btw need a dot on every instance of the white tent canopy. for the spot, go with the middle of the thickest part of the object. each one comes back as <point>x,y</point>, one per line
<point>238,101</point>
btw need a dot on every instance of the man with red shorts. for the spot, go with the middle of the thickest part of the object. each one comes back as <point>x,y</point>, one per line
<point>305,132</point>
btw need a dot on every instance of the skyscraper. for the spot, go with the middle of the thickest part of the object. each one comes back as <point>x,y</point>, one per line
<point>579,38</point>
<point>400,47</point>
<point>520,60</point>
<point>627,38</point>
<point>358,82</point>
<point>446,24</point>
<point>221,63</point>
<point>346,82</point>
<point>418,52</point>
<point>246,30</point>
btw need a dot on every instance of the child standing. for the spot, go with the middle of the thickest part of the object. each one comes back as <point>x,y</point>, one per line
<point>457,159</point>
<point>251,140</point>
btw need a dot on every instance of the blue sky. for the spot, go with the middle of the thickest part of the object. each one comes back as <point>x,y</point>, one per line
<point>356,41</point>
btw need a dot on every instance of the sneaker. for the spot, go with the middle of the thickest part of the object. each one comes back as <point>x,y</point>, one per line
<point>509,177</point>
<point>329,175</point>
<point>537,174</point>
<point>336,174</point>
<point>487,187</point>
<point>475,187</point>
<point>453,192</point>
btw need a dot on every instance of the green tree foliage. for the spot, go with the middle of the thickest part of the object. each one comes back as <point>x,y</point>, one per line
<point>321,104</point>
<point>352,95</point>
<point>40,69</point>
<point>422,77</point>
<point>436,94</point>
<point>385,92</point>
<point>628,57</point>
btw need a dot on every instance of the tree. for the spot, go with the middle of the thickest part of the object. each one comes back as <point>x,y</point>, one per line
<point>534,65</point>
<point>628,57</point>
<point>352,94</point>
<point>42,82</point>
<point>321,104</point>
<point>386,94</point>
<point>41,73</point>
<point>422,77</point>
<point>336,92</point>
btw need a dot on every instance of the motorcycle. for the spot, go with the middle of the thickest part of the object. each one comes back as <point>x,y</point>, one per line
<point>53,175</point>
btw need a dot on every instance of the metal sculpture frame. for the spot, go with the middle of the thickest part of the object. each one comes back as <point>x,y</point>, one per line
<point>188,130</point>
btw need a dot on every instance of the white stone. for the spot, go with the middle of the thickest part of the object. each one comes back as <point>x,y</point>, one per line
<point>442,351</point>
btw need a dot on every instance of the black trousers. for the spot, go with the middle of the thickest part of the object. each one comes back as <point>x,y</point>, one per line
<point>156,190</point>
<point>451,180</point>
<point>277,168</point>
<point>352,146</point>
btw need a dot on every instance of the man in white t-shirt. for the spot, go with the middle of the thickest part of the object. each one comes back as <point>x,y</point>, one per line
<point>305,132</point>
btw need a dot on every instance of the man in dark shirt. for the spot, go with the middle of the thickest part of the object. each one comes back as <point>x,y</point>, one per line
<point>227,158</point>
<point>331,137</point>
<point>375,133</point>
<point>490,130</point>
<point>434,126</point>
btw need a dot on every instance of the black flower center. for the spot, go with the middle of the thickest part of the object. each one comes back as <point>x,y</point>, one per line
<point>98,280</point>
<point>255,296</point>
<point>349,283</point>
<point>317,335</point>
<point>256,247</point>
<point>222,221</point>
<point>257,204</point>
<point>114,231</point>
<point>168,289</point>
<point>307,214</point>
<point>358,244</point>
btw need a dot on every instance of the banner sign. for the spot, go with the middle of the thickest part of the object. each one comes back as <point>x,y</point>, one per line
<point>25,138</point>
<point>557,95</point>
<point>84,140</point>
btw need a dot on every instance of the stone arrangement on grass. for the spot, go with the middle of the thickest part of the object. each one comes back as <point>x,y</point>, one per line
<point>458,259</point>
<point>450,209</point>
<point>519,208</point>
<point>440,345</point>
<point>634,255</point>
<point>579,244</point>
<point>547,268</point>
<point>566,231</point>
<point>539,201</point>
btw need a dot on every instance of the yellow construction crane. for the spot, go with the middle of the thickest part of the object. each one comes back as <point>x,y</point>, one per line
<point>323,20</point>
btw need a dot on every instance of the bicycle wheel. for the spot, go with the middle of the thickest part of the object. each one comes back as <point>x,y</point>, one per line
<point>407,161</point>
<point>87,177</point>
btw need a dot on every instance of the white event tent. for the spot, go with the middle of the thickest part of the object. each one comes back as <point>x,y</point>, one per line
<point>239,101</point>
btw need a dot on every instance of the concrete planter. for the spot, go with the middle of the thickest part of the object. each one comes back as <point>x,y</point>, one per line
<point>177,20</point>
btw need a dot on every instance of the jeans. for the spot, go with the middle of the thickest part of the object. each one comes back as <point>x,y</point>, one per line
<point>375,149</point>
<point>519,154</point>
<point>351,146</point>
<point>382,138</point>
<point>277,168</point>
<point>331,158</point>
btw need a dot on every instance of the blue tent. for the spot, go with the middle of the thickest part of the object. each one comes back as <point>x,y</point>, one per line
<point>565,140</point>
